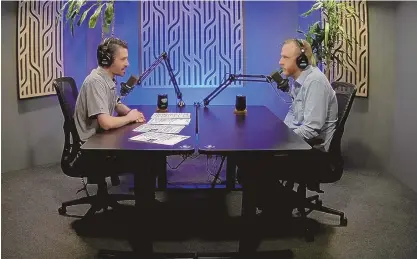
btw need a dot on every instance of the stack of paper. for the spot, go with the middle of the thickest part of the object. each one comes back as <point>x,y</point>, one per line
<point>173,129</point>
<point>170,119</point>
<point>167,121</point>
<point>162,127</point>
<point>171,115</point>
<point>160,138</point>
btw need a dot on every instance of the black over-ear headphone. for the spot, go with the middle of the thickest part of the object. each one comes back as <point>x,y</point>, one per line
<point>104,57</point>
<point>302,60</point>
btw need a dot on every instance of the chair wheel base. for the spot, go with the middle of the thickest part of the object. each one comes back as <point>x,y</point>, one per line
<point>308,234</point>
<point>62,211</point>
<point>343,221</point>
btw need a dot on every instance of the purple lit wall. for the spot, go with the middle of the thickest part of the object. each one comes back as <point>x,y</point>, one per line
<point>265,26</point>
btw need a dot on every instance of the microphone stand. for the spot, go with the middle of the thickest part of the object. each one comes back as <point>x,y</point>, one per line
<point>231,79</point>
<point>145,74</point>
<point>220,88</point>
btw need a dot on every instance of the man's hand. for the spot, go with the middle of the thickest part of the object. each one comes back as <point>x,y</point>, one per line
<point>136,116</point>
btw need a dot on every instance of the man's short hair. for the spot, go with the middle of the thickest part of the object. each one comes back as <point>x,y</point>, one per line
<point>114,43</point>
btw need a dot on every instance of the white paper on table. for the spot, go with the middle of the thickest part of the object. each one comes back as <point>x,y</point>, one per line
<point>171,115</point>
<point>167,121</point>
<point>173,129</point>
<point>159,138</point>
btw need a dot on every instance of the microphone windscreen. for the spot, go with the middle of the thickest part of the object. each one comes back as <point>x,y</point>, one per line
<point>276,76</point>
<point>282,84</point>
<point>132,81</point>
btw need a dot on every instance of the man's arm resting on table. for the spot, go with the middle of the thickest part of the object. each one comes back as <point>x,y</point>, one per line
<point>315,111</point>
<point>122,109</point>
<point>107,121</point>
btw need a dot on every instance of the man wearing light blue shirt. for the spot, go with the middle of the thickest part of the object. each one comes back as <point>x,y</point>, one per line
<point>313,112</point>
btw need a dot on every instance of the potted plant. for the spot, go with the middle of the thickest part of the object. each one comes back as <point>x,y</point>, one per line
<point>76,11</point>
<point>325,35</point>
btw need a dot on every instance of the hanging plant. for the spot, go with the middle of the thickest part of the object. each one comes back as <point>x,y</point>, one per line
<point>76,11</point>
<point>324,36</point>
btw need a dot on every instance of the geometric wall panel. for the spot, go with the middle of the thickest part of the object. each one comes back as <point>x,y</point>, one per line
<point>203,40</point>
<point>40,47</point>
<point>356,70</point>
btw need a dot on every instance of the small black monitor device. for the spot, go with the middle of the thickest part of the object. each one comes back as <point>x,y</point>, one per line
<point>240,106</point>
<point>162,102</point>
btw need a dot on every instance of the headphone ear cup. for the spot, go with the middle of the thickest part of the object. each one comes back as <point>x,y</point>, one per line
<point>104,57</point>
<point>302,60</point>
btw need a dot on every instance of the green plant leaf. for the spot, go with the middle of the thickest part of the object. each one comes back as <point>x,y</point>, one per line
<point>108,16</point>
<point>93,19</point>
<point>326,34</point>
<point>61,11</point>
<point>70,8</point>
<point>80,3</point>
<point>65,5</point>
<point>315,7</point>
<point>72,19</point>
<point>84,15</point>
<point>109,12</point>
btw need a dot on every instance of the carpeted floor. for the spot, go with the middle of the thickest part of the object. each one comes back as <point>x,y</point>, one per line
<point>382,217</point>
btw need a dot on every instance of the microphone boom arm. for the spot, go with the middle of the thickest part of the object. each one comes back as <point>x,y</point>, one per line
<point>147,72</point>
<point>173,80</point>
<point>231,79</point>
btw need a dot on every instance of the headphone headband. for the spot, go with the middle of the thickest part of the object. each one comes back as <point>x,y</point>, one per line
<point>107,41</point>
<point>300,43</point>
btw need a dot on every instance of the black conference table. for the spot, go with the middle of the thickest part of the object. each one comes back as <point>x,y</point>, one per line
<point>214,130</point>
<point>249,138</point>
<point>147,159</point>
<point>258,133</point>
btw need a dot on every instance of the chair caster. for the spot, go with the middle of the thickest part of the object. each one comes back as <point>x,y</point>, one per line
<point>62,210</point>
<point>308,234</point>
<point>343,221</point>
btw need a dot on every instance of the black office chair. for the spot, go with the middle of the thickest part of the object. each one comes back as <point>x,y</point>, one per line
<point>332,161</point>
<point>67,93</point>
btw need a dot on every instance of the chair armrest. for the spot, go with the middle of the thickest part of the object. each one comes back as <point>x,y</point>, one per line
<point>315,141</point>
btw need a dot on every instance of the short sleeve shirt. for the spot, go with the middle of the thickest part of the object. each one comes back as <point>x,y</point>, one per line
<point>96,96</point>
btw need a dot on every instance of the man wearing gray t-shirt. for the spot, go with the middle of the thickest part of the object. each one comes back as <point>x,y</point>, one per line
<point>97,100</point>
<point>98,107</point>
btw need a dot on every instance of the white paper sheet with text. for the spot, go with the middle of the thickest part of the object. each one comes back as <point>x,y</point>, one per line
<point>168,121</point>
<point>159,138</point>
<point>171,115</point>
<point>172,129</point>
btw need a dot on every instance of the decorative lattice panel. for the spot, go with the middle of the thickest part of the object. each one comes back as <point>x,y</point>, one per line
<point>357,58</point>
<point>203,39</point>
<point>39,44</point>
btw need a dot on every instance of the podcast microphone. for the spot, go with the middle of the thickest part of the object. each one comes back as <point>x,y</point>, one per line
<point>282,84</point>
<point>128,86</point>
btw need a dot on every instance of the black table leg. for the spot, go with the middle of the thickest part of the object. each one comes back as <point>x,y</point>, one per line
<point>141,232</point>
<point>230,173</point>
<point>251,236</point>
<point>162,173</point>
<point>142,239</point>
<point>249,240</point>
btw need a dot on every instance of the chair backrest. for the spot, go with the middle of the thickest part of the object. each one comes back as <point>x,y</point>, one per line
<point>67,93</point>
<point>345,94</point>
